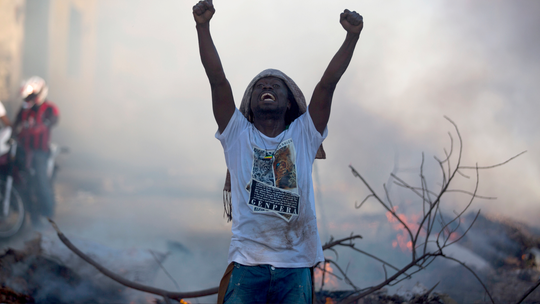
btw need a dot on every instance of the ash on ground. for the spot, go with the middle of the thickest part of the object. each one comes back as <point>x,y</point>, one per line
<point>45,271</point>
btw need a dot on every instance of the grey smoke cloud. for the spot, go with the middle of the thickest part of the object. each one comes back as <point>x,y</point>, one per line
<point>150,138</point>
<point>416,62</point>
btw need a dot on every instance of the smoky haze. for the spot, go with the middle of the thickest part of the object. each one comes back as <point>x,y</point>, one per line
<point>146,168</point>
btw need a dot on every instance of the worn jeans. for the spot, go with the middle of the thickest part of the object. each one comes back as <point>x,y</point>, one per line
<point>267,284</point>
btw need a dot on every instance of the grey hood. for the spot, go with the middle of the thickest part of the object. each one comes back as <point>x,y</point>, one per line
<point>300,99</point>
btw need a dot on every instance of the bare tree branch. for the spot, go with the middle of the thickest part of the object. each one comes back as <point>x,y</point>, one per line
<point>474,273</point>
<point>496,165</point>
<point>432,213</point>
<point>365,199</point>
<point>345,277</point>
<point>353,298</point>
<point>341,242</point>
<point>471,194</point>
<point>466,231</point>
<point>355,173</point>
<point>164,270</point>
<point>376,258</point>
<point>388,196</point>
<point>426,294</point>
<point>466,207</point>
<point>405,185</point>
<point>528,292</point>
<point>160,292</point>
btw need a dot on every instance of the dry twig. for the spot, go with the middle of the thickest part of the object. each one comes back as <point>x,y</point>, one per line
<point>160,292</point>
<point>528,292</point>
<point>431,202</point>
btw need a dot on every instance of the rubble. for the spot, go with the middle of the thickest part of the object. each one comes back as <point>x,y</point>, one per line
<point>8,295</point>
<point>511,248</point>
<point>504,243</point>
<point>504,253</point>
<point>44,271</point>
<point>419,295</point>
<point>507,247</point>
<point>44,280</point>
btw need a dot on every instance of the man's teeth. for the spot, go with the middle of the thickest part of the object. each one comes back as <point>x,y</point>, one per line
<point>268,97</point>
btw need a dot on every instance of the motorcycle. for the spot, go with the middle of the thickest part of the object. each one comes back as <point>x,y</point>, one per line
<point>15,177</point>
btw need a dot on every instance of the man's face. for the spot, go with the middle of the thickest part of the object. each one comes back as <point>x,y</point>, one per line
<point>270,95</point>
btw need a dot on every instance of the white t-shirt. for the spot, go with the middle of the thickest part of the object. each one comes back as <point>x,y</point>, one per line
<point>273,204</point>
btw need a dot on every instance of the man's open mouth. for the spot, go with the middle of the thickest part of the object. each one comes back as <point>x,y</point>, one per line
<point>268,97</point>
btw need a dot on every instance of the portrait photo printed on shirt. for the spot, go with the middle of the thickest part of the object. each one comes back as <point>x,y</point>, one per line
<point>273,186</point>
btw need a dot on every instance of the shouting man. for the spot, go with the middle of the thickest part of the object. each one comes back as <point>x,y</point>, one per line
<point>270,144</point>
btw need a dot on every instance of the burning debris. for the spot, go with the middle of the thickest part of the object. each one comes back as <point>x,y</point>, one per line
<point>431,236</point>
<point>504,244</point>
<point>511,249</point>
<point>419,295</point>
<point>8,295</point>
<point>41,279</point>
<point>503,254</point>
<point>44,271</point>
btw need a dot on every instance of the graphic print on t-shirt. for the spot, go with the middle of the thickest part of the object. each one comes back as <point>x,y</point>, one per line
<point>273,186</point>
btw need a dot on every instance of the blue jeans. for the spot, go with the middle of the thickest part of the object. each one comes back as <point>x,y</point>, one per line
<point>267,284</point>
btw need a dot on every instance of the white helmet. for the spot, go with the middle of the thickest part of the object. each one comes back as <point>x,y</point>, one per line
<point>35,86</point>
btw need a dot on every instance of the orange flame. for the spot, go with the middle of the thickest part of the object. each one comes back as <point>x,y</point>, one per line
<point>402,239</point>
<point>329,280</point>
<point>453,235</point>
<point>329,301</point>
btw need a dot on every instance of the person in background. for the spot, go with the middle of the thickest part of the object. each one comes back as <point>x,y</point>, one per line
<point>32,130</point>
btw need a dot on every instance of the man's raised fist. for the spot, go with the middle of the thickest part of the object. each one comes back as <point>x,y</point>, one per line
<point>203,11</point>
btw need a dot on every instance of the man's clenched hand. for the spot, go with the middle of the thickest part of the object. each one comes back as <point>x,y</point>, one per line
<point>203,11</point>
<point>352,22</point>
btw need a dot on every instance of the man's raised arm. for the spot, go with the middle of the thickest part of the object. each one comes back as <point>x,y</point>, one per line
<point>321,101</point>
<point>222,98</point>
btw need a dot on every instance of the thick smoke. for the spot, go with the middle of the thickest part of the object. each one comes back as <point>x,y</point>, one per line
<point>145,167</point>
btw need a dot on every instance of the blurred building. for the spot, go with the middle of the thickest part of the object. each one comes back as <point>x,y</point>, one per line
<point>11,45</point>
<point>111,66</point>
<point>53,39</point>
